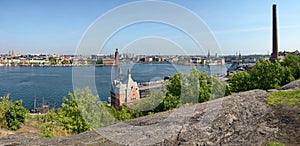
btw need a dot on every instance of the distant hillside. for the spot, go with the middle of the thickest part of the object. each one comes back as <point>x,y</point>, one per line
<point>240,119</point>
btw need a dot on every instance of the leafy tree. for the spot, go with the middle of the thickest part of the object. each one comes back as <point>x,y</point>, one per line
<point>95,112</point>
<point>12,114</point>
<point>194,88</point>
<point>175,83</point>
<point>124,113</point>
<point>52,60</point>
<point>147,105</point>
<point>70,116</point>
<point>169,102</point>
<point>172,90</point>
<point>65,62</point>
<point>78,113</point>
<point>240,82</point>
<point>49,123</point>
<point>205,85</point>
<point>293,63</point>
<point>219,88</point>
<point>99,61</point>
<point>266,75</point>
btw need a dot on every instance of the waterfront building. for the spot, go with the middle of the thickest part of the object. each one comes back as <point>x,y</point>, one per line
<point>124,91</point>
<point>108,61</point>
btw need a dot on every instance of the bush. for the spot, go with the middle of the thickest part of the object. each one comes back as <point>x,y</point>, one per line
<point>293,63</point>
<point>69,115</point>
<point>12,114</point>
<point>265,75</point>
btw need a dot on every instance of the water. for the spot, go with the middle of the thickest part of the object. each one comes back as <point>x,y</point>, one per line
<point>51,84</point>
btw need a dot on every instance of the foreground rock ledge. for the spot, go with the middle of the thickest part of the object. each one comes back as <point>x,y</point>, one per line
<point>239,119</point>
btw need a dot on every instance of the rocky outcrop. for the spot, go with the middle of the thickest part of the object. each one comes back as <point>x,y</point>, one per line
<point>239,119</point>
<point>293,85</point>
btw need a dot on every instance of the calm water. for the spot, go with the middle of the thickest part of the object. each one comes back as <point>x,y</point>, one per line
<point>53,83</point>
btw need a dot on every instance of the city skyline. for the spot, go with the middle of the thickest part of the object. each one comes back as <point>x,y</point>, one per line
<point>57,26</point>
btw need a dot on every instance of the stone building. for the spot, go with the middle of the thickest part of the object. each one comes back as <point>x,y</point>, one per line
<point>124,91</point>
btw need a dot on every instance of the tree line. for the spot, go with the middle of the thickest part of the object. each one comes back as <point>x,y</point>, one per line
<point>267,75</point>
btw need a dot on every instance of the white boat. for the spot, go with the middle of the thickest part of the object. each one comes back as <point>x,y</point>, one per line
<point>212,63</point>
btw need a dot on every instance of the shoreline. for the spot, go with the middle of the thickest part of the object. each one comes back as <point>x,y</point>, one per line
<point>99,65</point>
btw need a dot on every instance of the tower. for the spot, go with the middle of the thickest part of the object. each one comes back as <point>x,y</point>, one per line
<point>274,55</point>
<point>208,55</point>
<point>116,56</point>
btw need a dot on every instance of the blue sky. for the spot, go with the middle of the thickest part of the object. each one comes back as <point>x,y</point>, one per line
<point>57,26</point>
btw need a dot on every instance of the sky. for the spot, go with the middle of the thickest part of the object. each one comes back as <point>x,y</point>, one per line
<point>60,26</point>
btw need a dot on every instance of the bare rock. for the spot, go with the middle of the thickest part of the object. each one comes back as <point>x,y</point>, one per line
<point>291,86</point>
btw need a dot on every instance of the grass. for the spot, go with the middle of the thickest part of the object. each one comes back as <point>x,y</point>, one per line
<point>25,130</point>
<point>275,144</point>
<point>289,98</point>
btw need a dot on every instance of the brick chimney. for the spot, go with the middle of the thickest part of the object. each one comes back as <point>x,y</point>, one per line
<point>274,55</point>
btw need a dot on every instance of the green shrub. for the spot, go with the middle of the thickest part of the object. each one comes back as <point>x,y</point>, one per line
<point>12,114</point>
<point>264,75</point>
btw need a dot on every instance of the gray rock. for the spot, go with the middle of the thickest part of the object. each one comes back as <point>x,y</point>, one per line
<point>290,86</point>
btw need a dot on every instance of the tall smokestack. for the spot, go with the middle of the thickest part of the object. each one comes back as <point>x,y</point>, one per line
<point>274,55</point>
<point>116,56</point>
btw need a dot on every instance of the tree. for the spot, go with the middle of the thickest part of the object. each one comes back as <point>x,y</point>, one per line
<point>172,90</point>
<point>219,88</point>
<point>52,60</point>
<point>95,112</point>
<point>49,124</point>
<point>78,113</point>
<point>12,114</point>
<point>240,82</point>
<point>197,87</point>
<point>293,63</point>
<point>266,75</point>
<point>147,105</point>
<point>70,116</point>
<point>175,83</point>
<point>99,61</point>
<point>65,62</point>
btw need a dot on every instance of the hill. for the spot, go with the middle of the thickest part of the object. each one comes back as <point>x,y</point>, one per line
<point>240,119</point>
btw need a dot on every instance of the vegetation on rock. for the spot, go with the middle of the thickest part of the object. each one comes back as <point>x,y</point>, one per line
<point>290,98</point>
<point>275,144</point>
